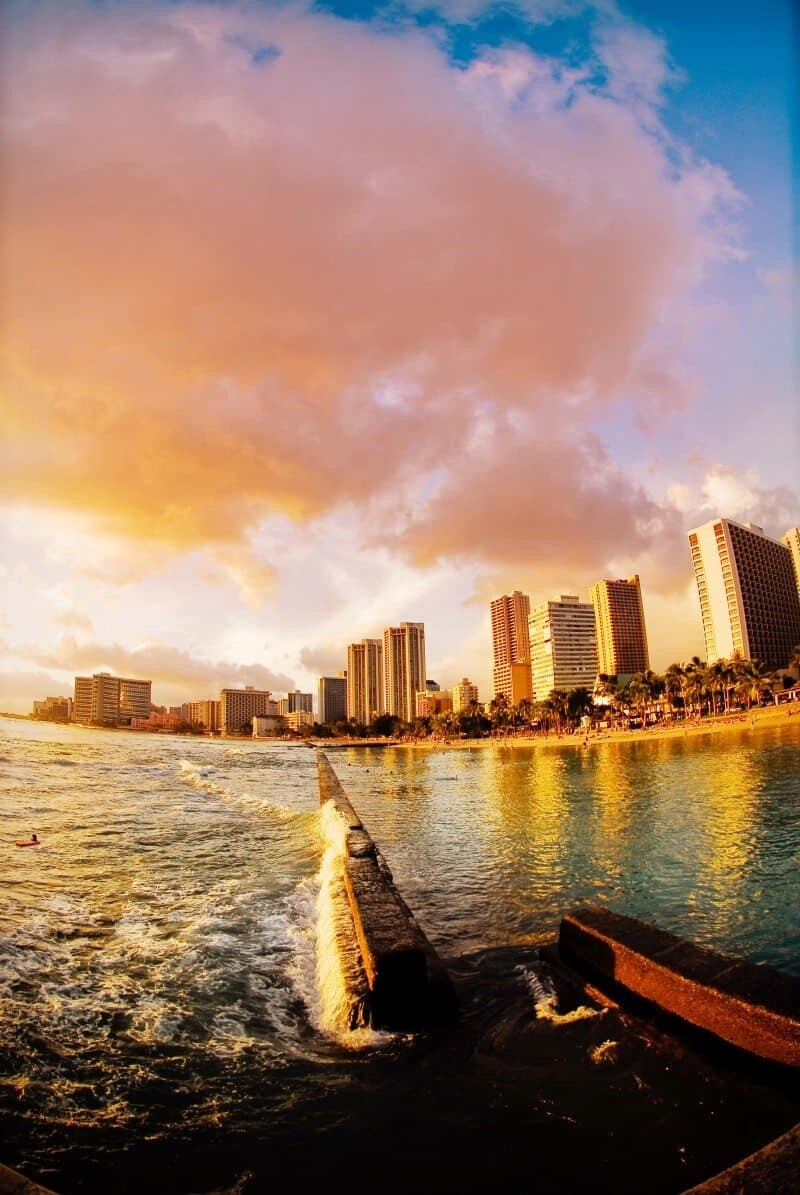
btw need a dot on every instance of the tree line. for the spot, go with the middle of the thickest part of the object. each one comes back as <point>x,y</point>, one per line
<point>692,690</point>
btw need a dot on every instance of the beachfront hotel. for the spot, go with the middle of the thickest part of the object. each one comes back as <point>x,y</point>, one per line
<point>511,673</point>
<point>365,680</point>
<point>238,707</point>
<point>748,592</point>
<point>403,669</point>
<point>109,700</point>
<point>331,699</point>
<point>792,541</point>
<point>619,623</point>
<point>563,638</point>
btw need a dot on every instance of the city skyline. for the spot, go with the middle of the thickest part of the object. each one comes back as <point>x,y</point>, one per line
<point>288,360</point>
<point>618,624</point>
<point>748,588</point>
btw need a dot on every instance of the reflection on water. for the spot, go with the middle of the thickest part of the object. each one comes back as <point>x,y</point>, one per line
<point>701,837</point>
<point>168,980</point>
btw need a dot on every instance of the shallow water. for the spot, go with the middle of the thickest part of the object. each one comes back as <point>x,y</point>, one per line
<point>166,1022</point>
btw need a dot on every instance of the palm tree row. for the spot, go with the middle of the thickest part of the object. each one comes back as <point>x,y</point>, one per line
<point>691,690</point>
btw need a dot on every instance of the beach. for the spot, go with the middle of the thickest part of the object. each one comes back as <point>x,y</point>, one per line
<point>763,717</point>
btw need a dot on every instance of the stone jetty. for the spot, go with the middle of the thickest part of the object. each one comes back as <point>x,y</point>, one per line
<point>409,987</point>
<point>755,1008</point>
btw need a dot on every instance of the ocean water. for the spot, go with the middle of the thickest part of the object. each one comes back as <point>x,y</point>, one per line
<point>173,975</point>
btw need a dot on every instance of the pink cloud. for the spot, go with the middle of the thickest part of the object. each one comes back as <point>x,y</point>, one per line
<point>161,663</point>
<point>237,288</point>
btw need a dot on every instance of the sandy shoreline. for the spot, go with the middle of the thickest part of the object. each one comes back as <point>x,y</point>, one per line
<point>758,719</point>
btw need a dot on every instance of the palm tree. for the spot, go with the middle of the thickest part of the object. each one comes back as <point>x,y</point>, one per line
<point>579,703</point>
<point>557,703</point>
<point>673,684</point>
<point>521,714</point>
<point>499,711</point>
<point>644,687</point>
<point>717,674</point>
<point>754,681</point>
<point>693,682</point>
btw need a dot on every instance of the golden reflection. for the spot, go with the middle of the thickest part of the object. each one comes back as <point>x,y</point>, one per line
<point>614,793</point>
<point>731,807</point>
<point>527,790</point>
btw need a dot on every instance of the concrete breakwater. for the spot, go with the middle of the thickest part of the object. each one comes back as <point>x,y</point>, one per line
<point>755,1008</point>
<point>409,987</point>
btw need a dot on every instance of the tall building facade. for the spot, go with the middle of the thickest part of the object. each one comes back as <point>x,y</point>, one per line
<point>563,640</point>
<point>792,541</point>
<point>331,699</point>
<point>108,700</point>
<point>619,623</point>
<point>134,698</point>
<point>403,668</point>
<point>202,713</point>
<point>299,701</point>
<point>511,674</point>
<point>365,680</point>
<point>82,700</point>
<point>748,593</point>
<point>238,707</point>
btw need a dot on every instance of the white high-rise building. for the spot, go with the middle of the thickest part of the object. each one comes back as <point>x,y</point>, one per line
<point>748,594</point>
<point>563,639</point>
<point>403,668</point>
<point>365,680</point>
<point>108,700</point>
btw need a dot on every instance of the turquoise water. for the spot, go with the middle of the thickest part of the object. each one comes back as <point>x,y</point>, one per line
<point>700,836</point>
<point>162,1019</point>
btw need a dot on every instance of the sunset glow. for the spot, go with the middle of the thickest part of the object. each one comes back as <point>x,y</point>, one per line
<point>315,323</point>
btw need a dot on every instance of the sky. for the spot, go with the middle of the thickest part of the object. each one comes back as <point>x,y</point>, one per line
<point>317,318</point>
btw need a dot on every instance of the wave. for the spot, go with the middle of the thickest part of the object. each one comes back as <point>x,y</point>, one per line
<point>545,1001</point>
<point>335,983</point>
<point>205,778</point>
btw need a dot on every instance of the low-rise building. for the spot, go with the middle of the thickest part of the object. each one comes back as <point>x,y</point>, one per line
<point>299,720</point>
<point>432,702</point>
<point>53,709</point>
<point>267,726</point>
<point>463,693</point>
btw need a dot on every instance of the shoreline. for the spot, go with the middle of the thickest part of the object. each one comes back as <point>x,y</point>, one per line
<point>759,718</point>
<point>765,717</point>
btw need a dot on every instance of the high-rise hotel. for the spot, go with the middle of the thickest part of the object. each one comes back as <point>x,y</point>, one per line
<point>332,699</point>
<point>619,622</point>
<point>748,592</point>
<point>563,646</point>
<point>365,680</point>
<point>511,648</point>
<point>403,668</point>
<point>110,700</point>
<point>792,541</point>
